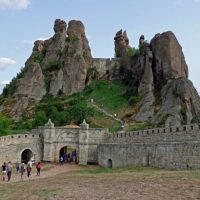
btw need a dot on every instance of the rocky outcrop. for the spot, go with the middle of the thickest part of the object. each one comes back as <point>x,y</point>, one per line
<point>168,60</point>
<point>146,83</point>
<point>161,73</point>
<point>63,65</point>
<point>121,43</point>
<point>180,104</point>
<point>32,84</point>
<point>56,66</point>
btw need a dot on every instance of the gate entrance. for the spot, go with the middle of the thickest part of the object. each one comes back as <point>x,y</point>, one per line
<point>26,156</point>
<point>68,155</point>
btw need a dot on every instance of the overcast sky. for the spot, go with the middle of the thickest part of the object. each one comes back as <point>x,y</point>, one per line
<point>24,21</point>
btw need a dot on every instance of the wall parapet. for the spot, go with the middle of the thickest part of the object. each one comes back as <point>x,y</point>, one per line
<point>165,133</point>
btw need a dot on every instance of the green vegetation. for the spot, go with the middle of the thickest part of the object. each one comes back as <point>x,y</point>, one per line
<point>92,74</point>
<point>139,126</point>
<point>47,81</point>
<point>38,57</point>
<point>134,100</point>
<point>101,170</point>
<point>5,125</point>
<point>10,88</point>
<point>72,38</point>
<point>132,52</point>
<point>117,53</point>
<point>111,96</point>
<point>52,65</point>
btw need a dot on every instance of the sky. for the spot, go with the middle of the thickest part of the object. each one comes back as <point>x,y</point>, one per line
<point>24,21</point>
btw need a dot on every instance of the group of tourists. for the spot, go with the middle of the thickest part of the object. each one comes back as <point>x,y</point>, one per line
<point>21,168</point>
<point>68,158</point>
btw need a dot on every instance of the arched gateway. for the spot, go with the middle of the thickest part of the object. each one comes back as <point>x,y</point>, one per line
<point>26,155</point>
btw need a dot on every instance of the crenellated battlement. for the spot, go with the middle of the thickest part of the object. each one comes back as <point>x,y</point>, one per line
<point>166,133</point>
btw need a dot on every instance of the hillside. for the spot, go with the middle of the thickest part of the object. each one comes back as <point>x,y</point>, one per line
<point>147,85</point>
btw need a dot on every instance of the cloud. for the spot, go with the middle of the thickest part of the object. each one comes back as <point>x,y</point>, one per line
<point>6,62</point>
<point>14,4</point>
<point>4,82</point>
<point>32,41</point>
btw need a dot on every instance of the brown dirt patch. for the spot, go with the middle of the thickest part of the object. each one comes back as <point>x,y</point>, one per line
<point>92,183</point>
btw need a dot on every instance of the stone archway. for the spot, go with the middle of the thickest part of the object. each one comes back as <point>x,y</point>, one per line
<point>26,155</point>
<point>63,153</point>
<point>67,153</point>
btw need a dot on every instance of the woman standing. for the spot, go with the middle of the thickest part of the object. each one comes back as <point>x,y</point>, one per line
<point>28,169</point>
<point>38,167</point>
<point>4,171</point>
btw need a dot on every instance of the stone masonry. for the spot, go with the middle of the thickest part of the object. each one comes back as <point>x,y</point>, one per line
<point>169,147</point>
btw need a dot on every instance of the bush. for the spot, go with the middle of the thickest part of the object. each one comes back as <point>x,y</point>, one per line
<point>52,65</point>
<point>38,57</point>
<point>47,82</point>
<point>132,52</point>
<point>72,38</point>
<point>134,100</point>
<point>10,88</point>
<point>5,125</point>
<point>40,118</point>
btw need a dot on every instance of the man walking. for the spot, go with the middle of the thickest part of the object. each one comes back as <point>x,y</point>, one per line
<point>9,170</point>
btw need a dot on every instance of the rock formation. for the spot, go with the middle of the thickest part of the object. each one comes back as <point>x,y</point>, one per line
<point>121,43</point>
<point>57,66</point>
<point>169,61</point>
<point>63,65</point>
<point>146,83</point>
<point>161,74</point>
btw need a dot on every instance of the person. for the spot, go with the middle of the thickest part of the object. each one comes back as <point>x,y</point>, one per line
<point>9,170</point>
<point>61,160</point>
<point>74,156</point>
<point>30,162</point>
<point>28,169</point>
<point>122,123</point>
<point>4,171</point>
<point>38,167</point>
<point>65,157</point>
<point>17,167</point>
<point>22,170</point>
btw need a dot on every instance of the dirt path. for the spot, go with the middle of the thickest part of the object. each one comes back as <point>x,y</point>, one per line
<point>48,170</point>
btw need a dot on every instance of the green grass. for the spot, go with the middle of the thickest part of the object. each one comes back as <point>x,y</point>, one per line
<point>118,170</point>
<point>148,171</point>
<point>139,126</point>
<point>110,95</point>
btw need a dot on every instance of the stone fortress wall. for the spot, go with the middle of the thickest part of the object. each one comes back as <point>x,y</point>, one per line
<point>12,146</point>
<point>46,142</point>
<point>169,147</point>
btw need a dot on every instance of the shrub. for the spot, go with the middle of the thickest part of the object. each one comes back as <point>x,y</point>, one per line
<point>40,118</point>
<point>47,81</point>
<point>72,38</point>
<point>52,65</point>
<point>10,88</point>
<point>5,125</point>
<point>132,52</point>
<point>134,100</point>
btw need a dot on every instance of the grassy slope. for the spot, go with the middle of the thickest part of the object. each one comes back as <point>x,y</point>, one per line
<point>111,96</point>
